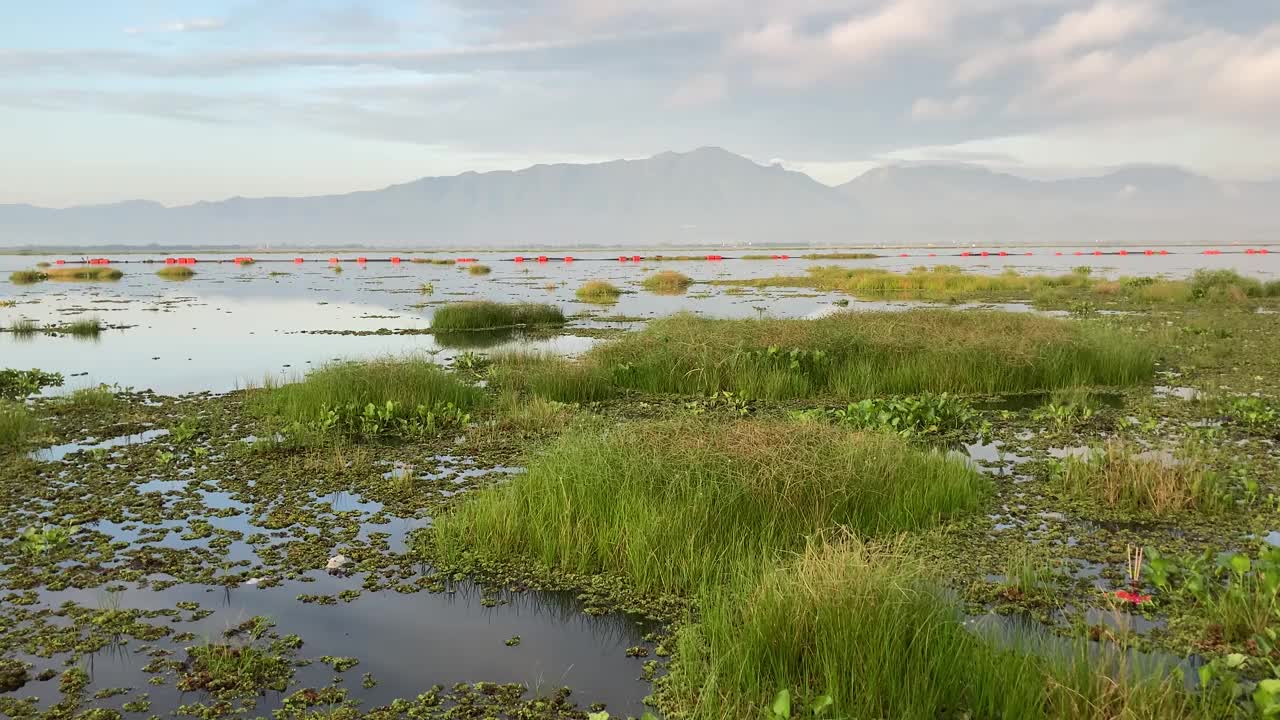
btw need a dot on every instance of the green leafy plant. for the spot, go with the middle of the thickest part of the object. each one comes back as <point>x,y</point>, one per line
<point>18,384</point>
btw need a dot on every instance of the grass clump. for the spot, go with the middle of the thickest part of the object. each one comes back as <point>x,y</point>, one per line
<point>488,315</point>
<point>87,272</point>
<point>549,376</point>
<point>24,328</point>
<point>392,395</point>
<point>862,623</point>
<point>598,291</point>
<point>83,328</point>
<point>1118,476</point>
<point>99,397</point>
<point>177,272</point>
<point>479,269</point>
<point>855,355</point>
<point>17,424</point>
<point>27,277</point>
<point>676,505</point>
<point>667,282</point>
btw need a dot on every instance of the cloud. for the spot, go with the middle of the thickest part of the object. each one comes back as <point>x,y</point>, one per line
<point>182,26</point>
<point>929,109</point>
<point>703,89</point>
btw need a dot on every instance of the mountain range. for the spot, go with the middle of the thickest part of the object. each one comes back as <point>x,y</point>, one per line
<point>706,196</point>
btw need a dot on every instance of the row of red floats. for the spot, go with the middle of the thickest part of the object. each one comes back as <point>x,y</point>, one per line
<point>179,261</point>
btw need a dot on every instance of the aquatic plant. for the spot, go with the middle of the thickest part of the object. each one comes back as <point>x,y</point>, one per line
<point>1252,412</point>
<point>864,624</point>
<point>17,384</point>
<point>598,291</point>
<point>177,272</point>
<point>673,505</point>
<point>8,303</point>
<point>925,414</point>
<point>370,397</point>
<point>479,269</point>
<point>45,540</point>
<point>83,328</point>
<point>860,354</point>
<point>667,282</point>
<point>1239,593</point>
<point>486,315</point>
<point>230,670</point>
<point>84,272</point>
<point>24,328</point>
<point>27,277</point>
<point>98,397</point>
<point>549,376</point>
<point>427,288</point>
<point>1118,476</point>
<point>17,424</point>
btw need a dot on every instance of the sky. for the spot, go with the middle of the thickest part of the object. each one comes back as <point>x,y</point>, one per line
<point>179,101</point>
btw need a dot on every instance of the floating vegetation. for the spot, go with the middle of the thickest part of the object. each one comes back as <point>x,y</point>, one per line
<point>488,315</point>
<point>667,282</point>
<point>66,273</point>
<point>479,269</point>
<point>855,355</point>
<point>598,291</point>
<point>84,328</point>
<point>177,272</point>
<point>27,277</point>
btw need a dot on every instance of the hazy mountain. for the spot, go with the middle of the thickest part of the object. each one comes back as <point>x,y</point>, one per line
<point>704,196</point>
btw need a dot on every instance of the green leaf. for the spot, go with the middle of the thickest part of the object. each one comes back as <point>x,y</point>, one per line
<point>782,704</point>
<point>820,703</point>
<point>1240,563</point>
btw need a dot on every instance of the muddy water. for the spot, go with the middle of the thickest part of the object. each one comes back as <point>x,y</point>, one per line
<point>408,642</point>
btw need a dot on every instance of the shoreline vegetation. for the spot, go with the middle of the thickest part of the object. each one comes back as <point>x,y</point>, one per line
<point>922,513</point>
<point>948,283</point>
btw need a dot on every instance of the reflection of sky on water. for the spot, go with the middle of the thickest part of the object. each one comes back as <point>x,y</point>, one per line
<point>231,326</point>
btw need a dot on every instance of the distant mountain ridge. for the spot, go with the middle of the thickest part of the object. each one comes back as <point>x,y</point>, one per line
<point>706,196</point>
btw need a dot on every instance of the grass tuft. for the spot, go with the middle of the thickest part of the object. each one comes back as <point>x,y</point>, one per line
<point>176,272</point>
<point>409,383</point>
<point>667,282</point>
<point>549,376</point>
<point>675,505</point>
<point>27,277</point>
<point>17,425</point>
<point>1118,476</point>
<point>852,355</point>
<point>488,315</point>
<point>87,272</point>
<point>479,269</point>
<point>598,291</point>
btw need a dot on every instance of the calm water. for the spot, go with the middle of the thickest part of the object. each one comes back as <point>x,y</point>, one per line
<point>231,326</point>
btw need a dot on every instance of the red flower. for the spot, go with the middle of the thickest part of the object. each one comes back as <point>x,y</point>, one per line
<point>1132,597</point>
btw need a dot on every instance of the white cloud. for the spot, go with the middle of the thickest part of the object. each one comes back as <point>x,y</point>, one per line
<point>957,108</point>
<point>181,26</point>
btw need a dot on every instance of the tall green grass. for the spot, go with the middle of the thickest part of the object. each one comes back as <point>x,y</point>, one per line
<point>549,376</point>
<point>864,624</point>
<point>16,424</point>
<point>668,282</point>
<point>488,315</point>
<point>675,506</point>
<point>858,354</point>
<point>407,382</point>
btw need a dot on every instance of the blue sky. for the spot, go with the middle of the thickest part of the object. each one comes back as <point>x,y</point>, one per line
<point>187,100</point>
